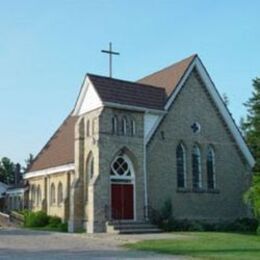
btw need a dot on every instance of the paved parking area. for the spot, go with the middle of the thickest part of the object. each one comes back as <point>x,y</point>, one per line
<point>22,244</point>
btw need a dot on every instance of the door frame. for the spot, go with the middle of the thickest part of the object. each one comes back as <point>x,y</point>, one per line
<point>124,180</point>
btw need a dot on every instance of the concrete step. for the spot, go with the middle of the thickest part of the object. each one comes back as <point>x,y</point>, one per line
<point>139,231</point>
<point>132,228</point>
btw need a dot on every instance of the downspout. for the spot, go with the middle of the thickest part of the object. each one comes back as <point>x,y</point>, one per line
<point>145,182</point>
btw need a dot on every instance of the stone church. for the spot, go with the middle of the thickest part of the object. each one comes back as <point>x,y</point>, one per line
<point>127,147</point>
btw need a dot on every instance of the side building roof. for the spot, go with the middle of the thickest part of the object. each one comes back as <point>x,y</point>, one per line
<point>59,150</point>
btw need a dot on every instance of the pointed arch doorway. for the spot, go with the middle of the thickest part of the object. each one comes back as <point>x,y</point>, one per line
<point>122,179</point>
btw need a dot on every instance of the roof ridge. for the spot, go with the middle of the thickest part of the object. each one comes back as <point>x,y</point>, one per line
<point>125,81</point>
<point>193,56</point>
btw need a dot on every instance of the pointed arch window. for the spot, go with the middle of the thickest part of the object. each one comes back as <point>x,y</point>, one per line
<point>39,196</point>
<point>88,128</point>
<point>133,128</point>
<point>90,166</point>
<point>114,125</point>
<point>52,196</point>
<point>124,126</point>
<point>211,177</point>
<point>60,194</point>
<point>33,195</point>
<point>196,167</point>
<point>121,169</point>
<point>181,165</point>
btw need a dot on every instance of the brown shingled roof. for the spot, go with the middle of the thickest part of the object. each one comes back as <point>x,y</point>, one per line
<point>150,92</point>
<point>60,148</point>
<point>128,93</point>
<point>168,78</point>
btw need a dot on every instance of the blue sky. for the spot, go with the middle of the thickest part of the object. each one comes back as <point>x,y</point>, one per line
<point>46,47</point>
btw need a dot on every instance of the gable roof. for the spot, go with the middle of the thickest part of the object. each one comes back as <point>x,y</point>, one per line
<point>59,150</point>
<point>128,93</point>
<point>168,78</point>
<point>156,91</point>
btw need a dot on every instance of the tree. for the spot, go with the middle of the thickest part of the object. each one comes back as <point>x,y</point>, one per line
<point>225,99</point>
<point>7,171</point>
<point>28,163</point>
<point>251,130</point>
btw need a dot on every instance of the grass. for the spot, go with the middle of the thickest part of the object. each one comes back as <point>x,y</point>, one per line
<point>205,245</point>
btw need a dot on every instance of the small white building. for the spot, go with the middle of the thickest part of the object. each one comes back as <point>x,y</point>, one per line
<point>16,198</point>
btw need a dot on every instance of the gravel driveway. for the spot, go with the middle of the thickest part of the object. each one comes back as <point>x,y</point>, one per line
<point>22,244</point>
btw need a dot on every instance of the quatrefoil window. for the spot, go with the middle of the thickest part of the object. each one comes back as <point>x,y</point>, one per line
<point>120,167</point>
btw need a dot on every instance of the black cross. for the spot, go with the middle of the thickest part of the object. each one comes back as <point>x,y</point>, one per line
<point>194,127</point>
<point>110,52</point>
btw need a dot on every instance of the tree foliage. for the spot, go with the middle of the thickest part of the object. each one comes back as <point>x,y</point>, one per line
<point>251,125</point>
<point>28,163</point>
<point>251,130</point>
<point>7,171</point>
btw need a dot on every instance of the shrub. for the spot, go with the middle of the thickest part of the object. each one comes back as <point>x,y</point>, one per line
<point>54,221</point>
<point>36,219</point>
<point>63,227</point>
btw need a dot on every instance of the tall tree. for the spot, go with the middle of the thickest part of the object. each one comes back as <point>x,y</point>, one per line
<point>251,129</point>
<point>225,99</point>
<point>251,125</point>
<point>28,163</point>
<point>7,171</point>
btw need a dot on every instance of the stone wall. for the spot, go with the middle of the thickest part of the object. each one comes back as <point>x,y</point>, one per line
<point>45,183</point>
<point>193,104</point>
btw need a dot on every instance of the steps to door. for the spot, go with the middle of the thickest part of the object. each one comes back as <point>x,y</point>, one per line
<point>132,228</point>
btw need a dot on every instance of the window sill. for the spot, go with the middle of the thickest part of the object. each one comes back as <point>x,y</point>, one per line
<point>198,190</point>
<point>215,191</point>
<point>183,190</point>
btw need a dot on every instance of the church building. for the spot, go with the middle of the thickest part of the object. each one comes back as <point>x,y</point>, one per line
<point>127,147</point>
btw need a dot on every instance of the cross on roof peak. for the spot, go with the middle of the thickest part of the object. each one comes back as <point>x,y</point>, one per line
<point>110,52</point>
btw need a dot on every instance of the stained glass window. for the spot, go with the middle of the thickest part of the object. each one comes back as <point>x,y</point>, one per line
<point>196,167</point>
<point>181,160</point>
<point>211,168</point>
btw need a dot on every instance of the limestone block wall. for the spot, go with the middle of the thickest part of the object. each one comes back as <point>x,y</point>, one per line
<point>45,182</point>
<point>111,144</point>
<point>86,147</point>
<point>34,183</point>
<point>193,104</point>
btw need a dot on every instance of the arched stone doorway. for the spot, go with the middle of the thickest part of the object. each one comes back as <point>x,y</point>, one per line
<point>122,179</point>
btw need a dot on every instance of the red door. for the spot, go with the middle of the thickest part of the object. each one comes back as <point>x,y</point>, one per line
<point>122,201</point>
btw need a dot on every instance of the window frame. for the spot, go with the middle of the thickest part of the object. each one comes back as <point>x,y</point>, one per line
<point>184,166</point>
<point>211,153</point>
<point>52,194</point>
<point>60,194</point>
<point>196,176</point>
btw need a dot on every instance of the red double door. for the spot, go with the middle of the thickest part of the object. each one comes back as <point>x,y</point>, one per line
<point>122,196</point>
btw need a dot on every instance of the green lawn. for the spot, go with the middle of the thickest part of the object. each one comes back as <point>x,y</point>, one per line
<point>205,245</point>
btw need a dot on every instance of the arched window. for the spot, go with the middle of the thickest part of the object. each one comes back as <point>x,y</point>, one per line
<point>211,168</point>
<point>124,126</point>
<point>114,125</point>
<point>181,166</point>
<point>121,168</point>
<point>52,197</point>
<point>39,196</point>
<point>33,194</point>
<point>81,128</point>
<point>88,128</point>
<point>196,167</point>
<point>60,194</point>
<point>90,166</point>
<point>133,129</point>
